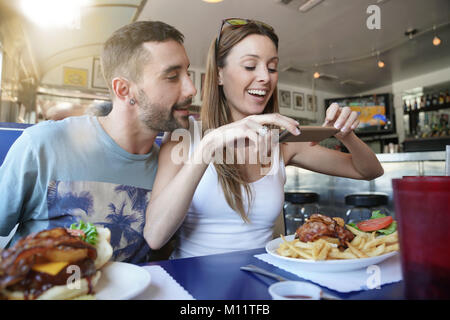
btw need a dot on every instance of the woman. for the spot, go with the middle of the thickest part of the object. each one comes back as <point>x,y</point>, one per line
<point>221,206</point>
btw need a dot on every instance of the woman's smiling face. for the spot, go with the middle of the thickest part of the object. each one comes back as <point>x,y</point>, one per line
<point>250,75</point>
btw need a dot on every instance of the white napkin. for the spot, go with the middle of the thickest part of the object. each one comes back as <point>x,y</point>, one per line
<point>368,278</point>
<point>163,287</point>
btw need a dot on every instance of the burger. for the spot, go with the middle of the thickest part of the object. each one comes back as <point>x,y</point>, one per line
<point>320,226</point>
<point>58,263</point>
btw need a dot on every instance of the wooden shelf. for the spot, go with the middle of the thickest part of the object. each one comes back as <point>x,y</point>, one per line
<point>428,138</point>
<point>431,108</point>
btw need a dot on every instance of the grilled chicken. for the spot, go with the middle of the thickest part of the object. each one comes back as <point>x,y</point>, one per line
<point>319,226</point>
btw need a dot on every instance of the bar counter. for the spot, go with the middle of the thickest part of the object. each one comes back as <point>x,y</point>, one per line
<point>411,156</point>
<point>332,190</point>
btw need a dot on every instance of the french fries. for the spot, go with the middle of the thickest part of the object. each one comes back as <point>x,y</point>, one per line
<point>363,245</point>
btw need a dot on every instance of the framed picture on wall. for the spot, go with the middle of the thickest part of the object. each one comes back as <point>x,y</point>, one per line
<point>299,101</point>
<point>309,103</point>
<point>284,98</point>
<point>97,75</point>
<point>75,77</point>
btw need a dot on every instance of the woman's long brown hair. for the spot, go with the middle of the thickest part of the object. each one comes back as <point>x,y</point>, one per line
<point>215,111</point>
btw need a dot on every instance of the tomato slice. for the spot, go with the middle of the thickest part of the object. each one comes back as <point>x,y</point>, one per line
<point>76,232</point>
<point>375,224</point>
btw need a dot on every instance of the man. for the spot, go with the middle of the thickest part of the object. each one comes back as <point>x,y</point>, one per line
<point>101,170</point>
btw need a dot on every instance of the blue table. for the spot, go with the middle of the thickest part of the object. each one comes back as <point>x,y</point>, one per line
<point>218,277</point>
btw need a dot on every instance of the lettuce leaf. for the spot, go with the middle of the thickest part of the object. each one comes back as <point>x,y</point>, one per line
<point>352,224</point>
<point>389,229</point>
<point>90,231</point>
<point>375,215</point>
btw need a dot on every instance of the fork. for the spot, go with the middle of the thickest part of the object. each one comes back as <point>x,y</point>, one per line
<point>255,269</point>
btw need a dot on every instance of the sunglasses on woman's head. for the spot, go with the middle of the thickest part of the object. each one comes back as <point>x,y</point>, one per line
<point>239,22</point>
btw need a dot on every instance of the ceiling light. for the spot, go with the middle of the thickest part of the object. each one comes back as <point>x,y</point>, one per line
<point>410,32</point>
<point>54,13</point>
<point>212,1</point>
<point>326,76</point>
<point>352,82</point>
<point>284,1</point>
<point>308,5</point>
<point>316,75</point>
<point>436,41</point>
<point>380,62</point>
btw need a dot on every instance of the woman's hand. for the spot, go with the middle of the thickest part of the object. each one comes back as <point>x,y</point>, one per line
<point>343,119</point>
<point>249,129</point>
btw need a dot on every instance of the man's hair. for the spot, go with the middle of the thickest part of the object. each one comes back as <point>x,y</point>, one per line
<point>124,53</point>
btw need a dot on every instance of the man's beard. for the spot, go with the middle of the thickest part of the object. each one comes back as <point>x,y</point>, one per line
<point>158,117</point>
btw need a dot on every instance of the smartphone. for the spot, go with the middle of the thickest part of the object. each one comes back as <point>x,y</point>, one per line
<point>308,134</point>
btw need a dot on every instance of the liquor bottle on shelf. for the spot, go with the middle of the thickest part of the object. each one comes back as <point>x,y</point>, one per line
<point>441,98</point>
<point>428,101</point>
<point>422,101</point>
<point>447,97</point>
<point>434,100</point>
<point>435,130</point>
<point>425,131</point>
<point>443,121</point>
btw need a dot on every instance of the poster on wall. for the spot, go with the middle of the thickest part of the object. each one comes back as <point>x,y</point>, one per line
<point>284,98</point>
<point>75,77</point>
<point>311,103</point>
<point>97,75</point>
<point>299,101</point>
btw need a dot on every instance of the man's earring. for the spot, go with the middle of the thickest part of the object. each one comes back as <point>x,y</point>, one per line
<point>132,101</point>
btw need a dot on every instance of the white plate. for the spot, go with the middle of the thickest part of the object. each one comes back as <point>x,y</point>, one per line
<point>121,281</point>
<point>325,265</point>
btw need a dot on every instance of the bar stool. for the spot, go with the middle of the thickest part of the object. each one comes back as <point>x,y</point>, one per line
<point>363,204</point>
<point>298,206</point>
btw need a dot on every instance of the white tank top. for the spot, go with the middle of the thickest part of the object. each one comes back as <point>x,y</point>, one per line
<point>211,226</point>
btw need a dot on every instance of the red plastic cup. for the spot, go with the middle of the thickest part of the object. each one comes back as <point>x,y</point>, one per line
<point>422,209</point>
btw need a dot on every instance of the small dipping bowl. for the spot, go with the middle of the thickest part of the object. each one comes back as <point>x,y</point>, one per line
<point>295,290</point>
